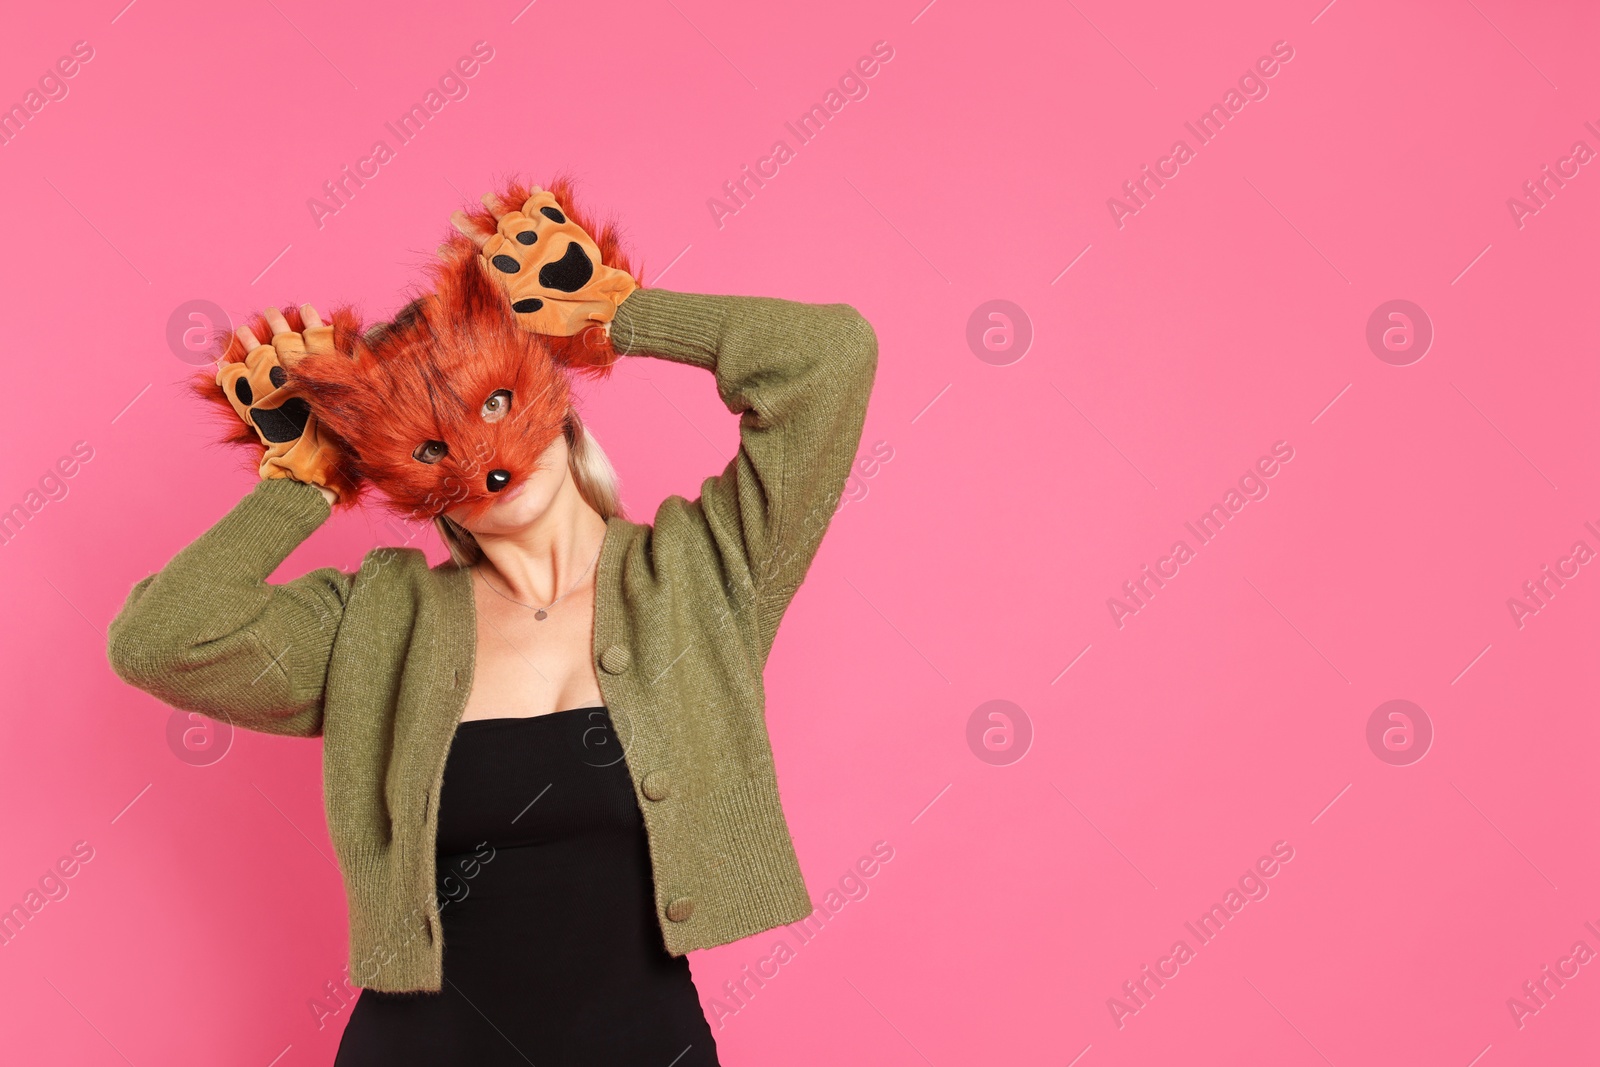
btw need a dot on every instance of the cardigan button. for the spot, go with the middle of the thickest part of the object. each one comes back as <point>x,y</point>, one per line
<point>657,785</point>
<point>680,910</point>
<point>615,659</point>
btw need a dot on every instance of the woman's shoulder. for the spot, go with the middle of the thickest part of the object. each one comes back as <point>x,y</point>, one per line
<point>390,564</point>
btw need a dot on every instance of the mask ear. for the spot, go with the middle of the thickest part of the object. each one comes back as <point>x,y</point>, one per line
<point>350,336</point>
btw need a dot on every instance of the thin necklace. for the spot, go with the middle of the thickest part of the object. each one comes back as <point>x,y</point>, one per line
<point>542,613</point>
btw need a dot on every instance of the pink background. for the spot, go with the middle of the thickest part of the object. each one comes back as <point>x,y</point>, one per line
<point>1229,313</point>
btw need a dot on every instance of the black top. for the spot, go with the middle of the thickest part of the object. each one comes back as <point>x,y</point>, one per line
<point>552,951</point>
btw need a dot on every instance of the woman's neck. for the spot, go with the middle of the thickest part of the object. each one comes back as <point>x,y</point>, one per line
<point>543,560</point>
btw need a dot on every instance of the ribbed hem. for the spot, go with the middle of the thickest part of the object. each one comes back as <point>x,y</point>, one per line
<point>395,945</point>
<point>746,876</point>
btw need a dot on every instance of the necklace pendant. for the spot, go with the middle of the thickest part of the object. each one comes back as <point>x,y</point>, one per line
<point>541,614</point>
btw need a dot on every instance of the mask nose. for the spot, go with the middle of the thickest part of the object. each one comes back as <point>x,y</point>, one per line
<point>498,480</point>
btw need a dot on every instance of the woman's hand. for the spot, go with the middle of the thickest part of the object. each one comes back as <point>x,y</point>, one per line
<point>549,267</point>
<point>295,445</point>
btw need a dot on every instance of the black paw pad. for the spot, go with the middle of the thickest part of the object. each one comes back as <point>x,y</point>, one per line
<point>283,423</point>
<point>553,214</point>
<point>506,264</point>
<point>533,303</point>
<point>527,237</point>
<point>569,273</point>
<point>242,390</point>
<point>279,376</point>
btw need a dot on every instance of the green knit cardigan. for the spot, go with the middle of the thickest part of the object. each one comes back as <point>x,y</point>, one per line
<point>379,662</point>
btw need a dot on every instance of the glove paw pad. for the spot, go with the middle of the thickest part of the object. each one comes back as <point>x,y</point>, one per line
<point>552,270</point>
<point>258,389</point>
<point>286,422</point>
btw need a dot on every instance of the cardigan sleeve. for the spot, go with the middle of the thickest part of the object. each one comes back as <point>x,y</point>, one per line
<point>207,633</point>
<point>799,377</point>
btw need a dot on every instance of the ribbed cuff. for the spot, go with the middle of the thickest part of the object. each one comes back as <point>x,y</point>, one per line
<point>682,327</point>
<point>260,531</point>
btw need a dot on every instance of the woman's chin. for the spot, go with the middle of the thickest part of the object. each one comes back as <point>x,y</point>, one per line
<point>513,510</point>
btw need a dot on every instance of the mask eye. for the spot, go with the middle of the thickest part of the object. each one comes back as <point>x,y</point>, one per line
<point>498,404</point>
<point>430,451</point>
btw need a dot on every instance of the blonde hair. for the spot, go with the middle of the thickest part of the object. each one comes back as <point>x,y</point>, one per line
<point>591,471</point>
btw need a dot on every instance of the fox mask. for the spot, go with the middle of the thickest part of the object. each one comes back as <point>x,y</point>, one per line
<point>451,403</point>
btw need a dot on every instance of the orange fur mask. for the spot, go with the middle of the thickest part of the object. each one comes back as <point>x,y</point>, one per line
<point>452,402</point>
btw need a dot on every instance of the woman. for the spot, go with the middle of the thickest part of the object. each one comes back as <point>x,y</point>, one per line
<point>547,774</point>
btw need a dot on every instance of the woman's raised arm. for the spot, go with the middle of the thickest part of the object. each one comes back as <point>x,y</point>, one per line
<point>207,633</point>
<point>798,376</point>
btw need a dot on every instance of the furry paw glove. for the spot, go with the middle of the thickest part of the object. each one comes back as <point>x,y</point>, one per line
<point>552,270</point>
<point>295,445</point>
